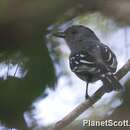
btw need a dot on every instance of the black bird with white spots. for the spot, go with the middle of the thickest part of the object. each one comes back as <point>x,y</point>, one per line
<point>90,59</point>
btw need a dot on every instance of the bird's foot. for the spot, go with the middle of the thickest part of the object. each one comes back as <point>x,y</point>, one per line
<point>87,97</point>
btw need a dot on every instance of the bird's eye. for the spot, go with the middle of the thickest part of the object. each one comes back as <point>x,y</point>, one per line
<point>73,31</point>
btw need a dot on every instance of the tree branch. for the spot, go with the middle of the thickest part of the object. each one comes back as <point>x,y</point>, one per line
<point>88,103</point>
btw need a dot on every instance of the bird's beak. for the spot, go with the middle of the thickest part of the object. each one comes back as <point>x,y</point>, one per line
<point>59,34</point>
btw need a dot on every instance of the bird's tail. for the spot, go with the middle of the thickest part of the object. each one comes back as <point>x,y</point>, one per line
<point>111,83</point>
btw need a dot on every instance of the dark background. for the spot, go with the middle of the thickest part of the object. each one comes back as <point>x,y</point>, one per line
<point>23,28</point>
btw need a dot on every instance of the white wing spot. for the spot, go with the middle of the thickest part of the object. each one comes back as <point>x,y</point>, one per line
<point>76,62</point>
<point>109,58</point>
<point>72,58</point>
<point>113,65</point>
<point>75,68</point>
<point>103,75</point>
<point>81,55</point>
<point>87,62</point>
<point>109,73</point>
<point>92,69</point>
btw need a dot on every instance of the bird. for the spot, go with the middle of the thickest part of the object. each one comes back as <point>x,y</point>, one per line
<point>90,59</point>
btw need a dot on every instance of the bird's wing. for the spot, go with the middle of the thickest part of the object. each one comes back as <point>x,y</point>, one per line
<point>82,62</point>
<point>99,59</point>
<point>109,58</point>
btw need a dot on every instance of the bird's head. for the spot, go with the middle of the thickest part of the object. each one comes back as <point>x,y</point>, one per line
<point>77,34</point>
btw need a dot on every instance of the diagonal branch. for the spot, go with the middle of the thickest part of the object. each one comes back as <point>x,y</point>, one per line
<point>88,103</point>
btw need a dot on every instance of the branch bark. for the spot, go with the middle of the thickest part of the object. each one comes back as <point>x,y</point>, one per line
<point>88,103</point>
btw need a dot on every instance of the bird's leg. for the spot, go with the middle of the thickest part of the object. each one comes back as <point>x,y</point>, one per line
<point>86,94</point>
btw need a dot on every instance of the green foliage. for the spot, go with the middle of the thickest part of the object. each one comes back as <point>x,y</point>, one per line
<point>17,94</point>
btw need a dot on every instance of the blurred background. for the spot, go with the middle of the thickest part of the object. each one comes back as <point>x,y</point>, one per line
<point>37,87</point>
